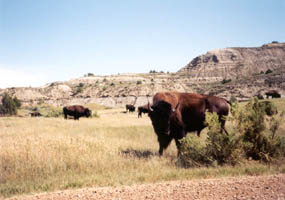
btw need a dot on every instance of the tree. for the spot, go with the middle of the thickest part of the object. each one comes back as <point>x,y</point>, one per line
<point>9,105</point>
<point>17,102</point>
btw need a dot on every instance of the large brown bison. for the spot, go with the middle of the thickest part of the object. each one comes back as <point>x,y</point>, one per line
<point>142,109</point>
<point>174,114</point>
<point>76,111</point>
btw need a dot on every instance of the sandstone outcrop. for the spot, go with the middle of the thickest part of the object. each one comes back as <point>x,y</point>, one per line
<point>236,63</point>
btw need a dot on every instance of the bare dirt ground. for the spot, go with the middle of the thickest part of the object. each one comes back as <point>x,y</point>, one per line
<point>246,187</point>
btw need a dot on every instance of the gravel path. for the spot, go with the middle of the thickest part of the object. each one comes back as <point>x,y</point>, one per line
<point>246,187</point>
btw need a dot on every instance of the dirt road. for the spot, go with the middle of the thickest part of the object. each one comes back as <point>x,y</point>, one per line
<point>247,187</point>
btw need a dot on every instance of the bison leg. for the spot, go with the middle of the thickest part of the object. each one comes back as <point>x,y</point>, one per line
<point>76,117</point>
<point>178,146</point>
<point>181,135</point>
<point>65,116</point>
<point>223,127</point>
<point>164,141</point>
<point>198,133</point>
<point>223,122</point>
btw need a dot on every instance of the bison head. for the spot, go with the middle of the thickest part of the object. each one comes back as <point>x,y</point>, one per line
<point>87,112</point>
<point>159,114</point>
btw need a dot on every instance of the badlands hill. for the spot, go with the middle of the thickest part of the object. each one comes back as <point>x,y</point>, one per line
<point>236,63</point>
<point>239,72</point>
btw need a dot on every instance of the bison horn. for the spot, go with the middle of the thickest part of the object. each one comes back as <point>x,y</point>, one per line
<point>149,107</point>
<point>174,109</point>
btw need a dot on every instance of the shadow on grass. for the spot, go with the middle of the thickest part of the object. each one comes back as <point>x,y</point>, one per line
<point>133,153</point>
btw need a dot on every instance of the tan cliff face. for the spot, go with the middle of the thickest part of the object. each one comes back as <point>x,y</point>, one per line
<point>235,63</point>
<point>241,67</point>
<point>111,91</point>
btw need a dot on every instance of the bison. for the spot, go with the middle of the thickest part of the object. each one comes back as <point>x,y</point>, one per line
<point>76,111</point>
<point>273,94</point>
<point>174,114</point>
<point>35,114</point>
<point>130,108</point>
<point>142,109</point>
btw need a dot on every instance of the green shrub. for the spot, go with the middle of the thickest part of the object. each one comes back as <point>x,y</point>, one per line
<point>269,108</point>
<point>219,148</point>
<point>250,122</point>
<point>193,153</point>
<point>251,138</point>
<point>17,102</point>
<point>9,105</point>
<point>280,147</point>
<point>223,148</point>
<point>275,123</point>
<point>233,99</point>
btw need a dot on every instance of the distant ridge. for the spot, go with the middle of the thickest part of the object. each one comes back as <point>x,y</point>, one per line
<point>239,72</point>
<point>236,62</point>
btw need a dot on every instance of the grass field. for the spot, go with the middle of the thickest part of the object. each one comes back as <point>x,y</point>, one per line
<point>45,154</point>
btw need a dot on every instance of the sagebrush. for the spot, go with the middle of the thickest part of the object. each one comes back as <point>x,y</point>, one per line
<point>253,136</point>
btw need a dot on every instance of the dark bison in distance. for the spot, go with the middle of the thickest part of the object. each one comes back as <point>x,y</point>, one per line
<point>35,114</point>
<point>142,109</point>
<point>130,108</point>
<point>76,111</point>
<point>174,114</point>
<point>272,94</point>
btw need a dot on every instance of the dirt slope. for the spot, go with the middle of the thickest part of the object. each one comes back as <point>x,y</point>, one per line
<point>248,187</point>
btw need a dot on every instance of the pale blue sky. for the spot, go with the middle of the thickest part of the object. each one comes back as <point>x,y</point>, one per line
<point>42,41</point>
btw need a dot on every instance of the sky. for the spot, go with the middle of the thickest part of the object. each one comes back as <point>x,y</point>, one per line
<point>43,41</point>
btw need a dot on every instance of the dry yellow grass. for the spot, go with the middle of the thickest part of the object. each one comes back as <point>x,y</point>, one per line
<point>43,154</point>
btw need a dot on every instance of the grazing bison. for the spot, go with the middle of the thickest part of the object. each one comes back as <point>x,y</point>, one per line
<point>35,114</point>
<point>142,109</point>
<point>76,111</point>
<point>130,108</point>
<point>174,114</point>
<point>273,94</point>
